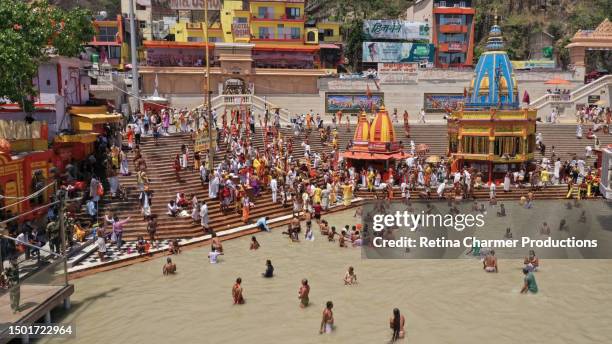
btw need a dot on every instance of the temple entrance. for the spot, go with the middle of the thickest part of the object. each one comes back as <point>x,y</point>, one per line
<point>235,86</point>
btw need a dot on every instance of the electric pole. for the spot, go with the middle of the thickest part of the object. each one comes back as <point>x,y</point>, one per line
<point>211,149</point>
<point>135,82</point>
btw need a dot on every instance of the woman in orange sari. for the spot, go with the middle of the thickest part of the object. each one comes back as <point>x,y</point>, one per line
<point>246,207</point>
<point>130,136</point>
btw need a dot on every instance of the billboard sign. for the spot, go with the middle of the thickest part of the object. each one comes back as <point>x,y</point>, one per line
<point>442,102</point>
<point>353,102</point>
<point>401,68</point>
<point>213,5</point>
<point>533,64</point>
<point>397,52</point>
<point>395,29</point>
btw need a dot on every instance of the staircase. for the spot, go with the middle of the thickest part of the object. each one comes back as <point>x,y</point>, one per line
<point>160,157</point>
<point>220,102</point>
<point>575,96</point>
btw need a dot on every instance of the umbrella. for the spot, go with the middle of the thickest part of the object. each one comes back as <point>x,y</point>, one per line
<point>434,159</point>
<point>557,81</point>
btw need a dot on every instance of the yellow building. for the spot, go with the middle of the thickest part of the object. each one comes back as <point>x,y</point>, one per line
<point>194,32</point>
<point>254,21</point>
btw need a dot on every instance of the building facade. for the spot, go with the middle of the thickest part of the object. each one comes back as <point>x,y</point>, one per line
<point>452,33</point>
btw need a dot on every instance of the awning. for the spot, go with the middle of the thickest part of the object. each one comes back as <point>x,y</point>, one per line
<point>374,156</point>
<point>86,121</point>
<point>328,46</point>
<point>76,138</point>
<point>285,47</point>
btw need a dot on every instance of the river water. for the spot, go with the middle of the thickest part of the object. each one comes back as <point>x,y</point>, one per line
<point>444,301</point>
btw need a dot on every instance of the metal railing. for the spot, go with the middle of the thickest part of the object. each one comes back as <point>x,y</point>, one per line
<point>576,94</point>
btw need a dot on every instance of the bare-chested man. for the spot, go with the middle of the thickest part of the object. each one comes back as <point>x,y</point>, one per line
<point>303,293</point>
<point>490,262</point>
<point>169,267</point>
<point>327,321</point>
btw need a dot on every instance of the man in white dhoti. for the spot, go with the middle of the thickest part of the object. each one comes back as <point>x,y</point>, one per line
<point>274,188</point>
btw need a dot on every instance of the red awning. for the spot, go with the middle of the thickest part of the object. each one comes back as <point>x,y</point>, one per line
<point>374,156</point>
<point>328,46</point>
<point>172,44</point>
<point>285,47</point>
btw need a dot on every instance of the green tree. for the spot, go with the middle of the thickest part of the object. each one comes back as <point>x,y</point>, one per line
<point>28,32</point>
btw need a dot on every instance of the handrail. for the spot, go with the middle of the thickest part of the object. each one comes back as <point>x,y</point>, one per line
<point>577,93</point>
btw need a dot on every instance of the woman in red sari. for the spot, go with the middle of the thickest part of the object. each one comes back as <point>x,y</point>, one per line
<point>177,167</point>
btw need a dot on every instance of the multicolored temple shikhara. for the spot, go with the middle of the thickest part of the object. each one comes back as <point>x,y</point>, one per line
<point>490,131</point>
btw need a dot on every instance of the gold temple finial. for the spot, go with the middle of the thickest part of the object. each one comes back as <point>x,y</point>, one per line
<point>496,17</point>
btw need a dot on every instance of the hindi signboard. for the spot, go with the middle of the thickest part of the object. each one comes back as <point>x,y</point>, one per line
<point>202,142</point>
<point>442,102</point>
<point>397,52</point>
<point>403,68</point>
<point>395,29</point>
<point>353,102</point>
<point>213,5</point>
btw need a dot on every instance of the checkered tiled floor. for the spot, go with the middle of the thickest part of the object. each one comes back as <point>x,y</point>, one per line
<point>128,249</point>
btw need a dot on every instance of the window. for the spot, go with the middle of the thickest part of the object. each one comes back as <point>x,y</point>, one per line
<point>266,12</point>
<point>140,7</point>
<point>114,52</point>
<point>280,31</point>
<point>106,34</point>
<point>142,24</point>
<point>215,39</point>
<point>295,33</point>
<point>265,33</point>
<point>328,32</point>
<point>241,20</point>
<point>196,39</point>
<point>292,12</point>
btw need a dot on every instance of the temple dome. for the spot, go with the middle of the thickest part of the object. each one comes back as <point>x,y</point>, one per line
<point>362,133</point>
<point>381,129</point>
<point>494,84</point>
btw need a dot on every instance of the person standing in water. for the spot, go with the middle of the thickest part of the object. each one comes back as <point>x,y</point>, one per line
<point>490,262</point>
<point>396,322</point>
<point>237,292</point>
<point>530,284</point>
<point>169,267</point>
<point>303,293</point>
<point>350,277</point>
<point>327,320</point>
<point>269,270</point>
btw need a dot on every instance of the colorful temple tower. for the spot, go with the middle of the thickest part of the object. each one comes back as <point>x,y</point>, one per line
<point>490,132</point>
<point>374,143</point>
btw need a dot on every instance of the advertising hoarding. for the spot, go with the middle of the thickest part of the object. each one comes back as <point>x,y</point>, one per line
<point>395,29</point>
<point>213,5</point>
<point>353,102</point>
<point>397,52</point>
<point>441,102</point>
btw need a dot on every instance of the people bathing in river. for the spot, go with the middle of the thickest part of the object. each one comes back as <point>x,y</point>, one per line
<point>531,262</point>
<point>350,278</point>
<point>490,262</point>
<point>269,273</point>
<point>169,267</point>
<point>397,322</point>
<point>237,292</point>
<point>254,243</point>
<point>303,293</point>
<point>327,320</point>
<point>529,282</point>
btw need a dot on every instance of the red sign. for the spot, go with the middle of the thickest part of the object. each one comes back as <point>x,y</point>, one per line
<point>455,46</point>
